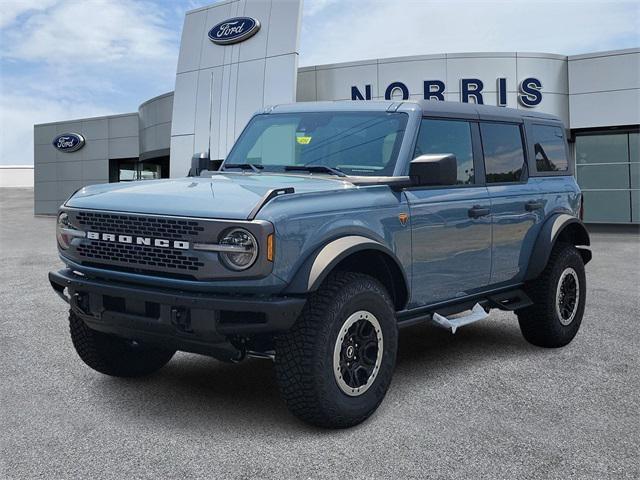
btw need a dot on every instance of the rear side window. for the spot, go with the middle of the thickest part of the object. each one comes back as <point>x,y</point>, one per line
<point>549,149</point>
<point>503,152</point>
<point>448,136</point>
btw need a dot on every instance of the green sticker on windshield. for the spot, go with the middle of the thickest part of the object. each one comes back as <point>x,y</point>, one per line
<point>303,140</point>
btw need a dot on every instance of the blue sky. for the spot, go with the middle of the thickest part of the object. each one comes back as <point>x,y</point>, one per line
<point>64,59</point>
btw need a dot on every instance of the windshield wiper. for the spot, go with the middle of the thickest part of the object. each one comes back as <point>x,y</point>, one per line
<point>244,166</point>
<point>315,169</point>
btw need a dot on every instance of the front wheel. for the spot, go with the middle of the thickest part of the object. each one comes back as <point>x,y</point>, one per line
<point>113,355</point>
<point>558,300</point>
<point>335,365</point>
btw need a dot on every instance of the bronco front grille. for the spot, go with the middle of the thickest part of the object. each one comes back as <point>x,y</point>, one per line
<point>135,258</point>
<point>169,228</point>
<point>139,255</point>
<point>158,245</point>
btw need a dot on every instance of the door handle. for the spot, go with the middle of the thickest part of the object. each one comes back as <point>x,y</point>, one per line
<point>532,206</point>
<point>477,211</point>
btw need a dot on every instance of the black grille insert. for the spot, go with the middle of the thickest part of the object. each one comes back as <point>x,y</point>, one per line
<point>170,228</point>
<point>139,255</point>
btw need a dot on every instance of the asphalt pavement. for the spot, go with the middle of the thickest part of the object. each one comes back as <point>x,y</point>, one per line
<point>482,403</point>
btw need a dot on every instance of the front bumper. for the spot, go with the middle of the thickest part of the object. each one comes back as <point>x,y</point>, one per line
<point>189,321</point>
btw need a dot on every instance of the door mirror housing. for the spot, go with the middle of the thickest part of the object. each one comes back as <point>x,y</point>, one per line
<point>433,169</point>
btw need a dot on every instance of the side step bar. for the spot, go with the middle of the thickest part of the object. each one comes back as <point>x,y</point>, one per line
<point>477,313</point>
<point>511,300</point>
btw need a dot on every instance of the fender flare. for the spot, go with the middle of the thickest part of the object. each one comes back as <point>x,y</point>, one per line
<point>316,268</point>
<point>547,238</point>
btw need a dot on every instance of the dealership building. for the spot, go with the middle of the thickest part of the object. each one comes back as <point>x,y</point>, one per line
<point>238,57</point>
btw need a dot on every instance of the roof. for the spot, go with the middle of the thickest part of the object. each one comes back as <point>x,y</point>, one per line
<point>487,112</point>
<point>434,108</point>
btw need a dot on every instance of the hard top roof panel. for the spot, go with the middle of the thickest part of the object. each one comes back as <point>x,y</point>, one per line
<point>435,108</point>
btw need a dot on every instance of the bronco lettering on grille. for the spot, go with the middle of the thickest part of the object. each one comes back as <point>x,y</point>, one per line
<point>134,240</point>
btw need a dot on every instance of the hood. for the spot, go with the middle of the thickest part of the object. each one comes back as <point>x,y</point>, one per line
<point>223,195</point>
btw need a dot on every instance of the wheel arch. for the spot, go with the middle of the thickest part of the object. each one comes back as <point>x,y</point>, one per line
<point>559,227</point>
<point>358,254</point>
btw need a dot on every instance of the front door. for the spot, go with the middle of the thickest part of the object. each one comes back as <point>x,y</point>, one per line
<point>451,226</point>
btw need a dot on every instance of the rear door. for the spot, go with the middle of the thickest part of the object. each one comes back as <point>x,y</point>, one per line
<point>517,206</point>
<point>451,226</point>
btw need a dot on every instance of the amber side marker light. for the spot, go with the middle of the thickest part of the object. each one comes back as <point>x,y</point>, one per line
<point>270,248</point>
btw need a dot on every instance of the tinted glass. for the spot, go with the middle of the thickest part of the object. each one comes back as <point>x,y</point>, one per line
<point>150,171</point>
<point>634,175</point>
<point>503,152</point>
<point>606,206</point>
<point>549,149</point>
<point>358,143</point>
<point>603,176</point>
<point>448,136</point>
<point>602,148</point>
<point>608,171</point>
<point>634,147</point>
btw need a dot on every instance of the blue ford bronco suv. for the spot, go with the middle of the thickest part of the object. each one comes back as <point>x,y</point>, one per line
<point>327,228</point>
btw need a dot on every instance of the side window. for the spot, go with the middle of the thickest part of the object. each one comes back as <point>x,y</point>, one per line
<point>503,152</point>
<point>549,149</point>
<point>448,136</point>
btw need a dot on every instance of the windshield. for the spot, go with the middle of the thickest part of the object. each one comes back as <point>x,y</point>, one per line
<point>356,143</point>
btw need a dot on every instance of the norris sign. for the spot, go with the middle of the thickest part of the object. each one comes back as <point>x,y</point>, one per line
<point>529,91</point>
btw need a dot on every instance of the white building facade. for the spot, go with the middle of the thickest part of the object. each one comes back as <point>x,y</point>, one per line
<point>221,82</point>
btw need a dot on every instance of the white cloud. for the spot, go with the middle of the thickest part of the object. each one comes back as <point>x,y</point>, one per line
<point>314,7</point>
<point>378,29</point>
<point>95,31</point>
<point>18,115</point>
<point>74,59</point>
<point>64,59</point>
<point>12,9</point>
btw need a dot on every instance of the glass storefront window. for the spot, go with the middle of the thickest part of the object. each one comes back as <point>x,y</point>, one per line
<point>635,206</point>
<point>150,171</point>
<point>634,147</point>
<point>608,206</point>
<point>634,175</point>
<point>602,148</point>
<point>608,172</point>
<point>127,172</point>
<point>603,177</point>
<point>132,169</point>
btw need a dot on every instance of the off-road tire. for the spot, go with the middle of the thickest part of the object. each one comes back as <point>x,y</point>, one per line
<point>113,355</point>
<point>540,323</point>
<point>305,355</point>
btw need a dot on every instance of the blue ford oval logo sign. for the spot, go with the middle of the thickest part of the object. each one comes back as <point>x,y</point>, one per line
<point>234,30</point>
<point>69,142</point>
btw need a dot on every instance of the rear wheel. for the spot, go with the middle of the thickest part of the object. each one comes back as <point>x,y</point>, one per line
<point>558,300</point>
<point>335,365</point>
<point>113,355</point>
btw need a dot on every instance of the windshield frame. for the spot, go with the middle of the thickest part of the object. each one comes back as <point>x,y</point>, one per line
<point>397,158</point>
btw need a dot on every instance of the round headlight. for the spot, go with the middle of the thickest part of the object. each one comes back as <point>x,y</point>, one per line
<point>241,251</point>
<point>63,224</point>
<point>65,232</point>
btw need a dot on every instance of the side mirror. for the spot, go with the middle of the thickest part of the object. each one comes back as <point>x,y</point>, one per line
<point>214,165</point>
<point>434,169</point>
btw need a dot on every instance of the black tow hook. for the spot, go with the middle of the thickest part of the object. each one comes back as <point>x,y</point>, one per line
<point>81,302</point>
<point>181,319</point>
